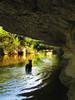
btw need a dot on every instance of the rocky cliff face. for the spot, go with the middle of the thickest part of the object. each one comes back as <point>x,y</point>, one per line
<point>67,76</point>
<point>52,21</point>
<point>48,20</point>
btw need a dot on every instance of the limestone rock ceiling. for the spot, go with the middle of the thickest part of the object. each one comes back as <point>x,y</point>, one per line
<point>40,19</point>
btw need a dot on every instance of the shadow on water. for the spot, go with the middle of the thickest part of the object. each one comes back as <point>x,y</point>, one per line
<point>54,90</point>
<point>41,84</point>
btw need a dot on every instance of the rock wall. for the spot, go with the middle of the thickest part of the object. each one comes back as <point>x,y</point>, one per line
<point>67,75</point>
<point>47,20</point>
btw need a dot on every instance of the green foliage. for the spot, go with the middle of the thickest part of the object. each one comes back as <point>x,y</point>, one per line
<point>28,41</point>
<point>15,41</point>
<point>10,42</point>
<point>36,44</point>
<point>3,32</point>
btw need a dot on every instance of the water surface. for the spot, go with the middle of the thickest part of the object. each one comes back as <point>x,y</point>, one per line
<point>14,80</point>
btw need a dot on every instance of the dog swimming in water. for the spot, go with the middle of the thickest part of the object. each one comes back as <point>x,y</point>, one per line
<point>28,66</point>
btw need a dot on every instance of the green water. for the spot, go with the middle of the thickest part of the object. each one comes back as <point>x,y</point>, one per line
<point>14,80</point>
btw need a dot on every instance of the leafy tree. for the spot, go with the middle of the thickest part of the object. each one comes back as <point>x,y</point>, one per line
<point>8,41</point>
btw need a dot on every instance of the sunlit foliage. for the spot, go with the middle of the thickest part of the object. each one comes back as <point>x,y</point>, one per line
<point>3,32</point>
<point>10,43</point>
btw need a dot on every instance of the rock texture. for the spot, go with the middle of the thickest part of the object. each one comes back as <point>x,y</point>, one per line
<point>52,21</point>
<point>67,76</point>
<point>46,20</point>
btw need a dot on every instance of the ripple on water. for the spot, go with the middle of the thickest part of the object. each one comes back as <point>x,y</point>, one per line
<point>16,81</point>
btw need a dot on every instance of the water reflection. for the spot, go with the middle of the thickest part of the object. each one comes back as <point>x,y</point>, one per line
<point>14,80</point>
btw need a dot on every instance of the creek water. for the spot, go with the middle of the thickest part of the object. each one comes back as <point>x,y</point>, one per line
<point>17,84</point>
